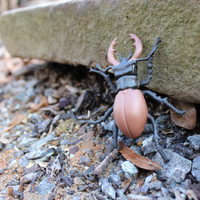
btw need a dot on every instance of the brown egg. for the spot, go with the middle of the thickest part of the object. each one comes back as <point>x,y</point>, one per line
<point>130,112</point>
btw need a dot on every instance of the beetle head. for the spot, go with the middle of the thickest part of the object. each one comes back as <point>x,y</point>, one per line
<point>138,51</point>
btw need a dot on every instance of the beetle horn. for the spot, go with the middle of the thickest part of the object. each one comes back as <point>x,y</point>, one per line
<point>111,52</point>
<point>138,47</point>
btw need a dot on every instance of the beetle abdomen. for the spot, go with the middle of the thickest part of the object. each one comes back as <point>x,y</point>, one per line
<point>130,112</point>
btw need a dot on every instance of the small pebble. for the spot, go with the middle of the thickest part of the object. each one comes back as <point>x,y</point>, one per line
<point>84,160</point>
<point>196,168</point>
<point>89,152</point>
<point>115,180</point>
<point>129,169</point>
<point>73,150</point>
<point>108,189</point>
<point>194,141</point>
<point>45,186</point>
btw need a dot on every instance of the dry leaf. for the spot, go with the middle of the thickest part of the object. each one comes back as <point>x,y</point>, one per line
<point>14,122</point>
<point>9,192</point>
<point>167,131</point>
<point>43,103</point>
<point>137,160</point>
<point>190,119</point>
<point>191,195</point>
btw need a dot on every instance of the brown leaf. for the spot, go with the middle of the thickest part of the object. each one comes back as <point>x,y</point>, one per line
<point>14,122</point>
<point>43,103</point>
<point>9,192</point>
<point>137,160</point>
<point>190,119</point>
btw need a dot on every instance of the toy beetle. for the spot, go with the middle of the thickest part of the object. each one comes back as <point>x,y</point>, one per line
<point>130,109</point>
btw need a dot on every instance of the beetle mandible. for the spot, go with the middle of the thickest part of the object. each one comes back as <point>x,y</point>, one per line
<point>130,109</point>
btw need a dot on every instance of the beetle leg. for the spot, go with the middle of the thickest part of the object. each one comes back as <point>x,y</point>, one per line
<point>164,101</point>
<point>106,115</point>
<point>156,138</point>
<point>149,64</point>
<point>107,78</point>
<point>115,139</point>
<point>102,70</point>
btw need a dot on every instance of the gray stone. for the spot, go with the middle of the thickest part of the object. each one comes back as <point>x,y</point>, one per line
<point>108,189</point>
<point>149,149</point>
<point>36,148</point>
<point>27,142</point>
<point>43,126</point>
<point>129,169</point>
<point>23,162</point>
<point>89,152</point>
<point>120,194</point>
<point>196,168</point>
<point>177,168</point>
<point>45,187</point>
<point>73,35</point>
<point>109,126</point>
<point>136,149</point>
<point>84,160</point>
<point>156,185</point>
<point>138,197</point>
<point>194,141</point>
<point>115,180</point>
<point>145,189</point>
<point>28,177</point>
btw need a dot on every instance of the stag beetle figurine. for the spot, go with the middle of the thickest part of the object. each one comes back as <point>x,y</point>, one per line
<point>130,109</point>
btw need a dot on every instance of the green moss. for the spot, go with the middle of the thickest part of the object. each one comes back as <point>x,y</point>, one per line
<point>82,32</point>
<point>64,126</point>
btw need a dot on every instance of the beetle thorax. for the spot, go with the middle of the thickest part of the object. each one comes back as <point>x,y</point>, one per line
<point>126,75</point>
<point>125,68</point>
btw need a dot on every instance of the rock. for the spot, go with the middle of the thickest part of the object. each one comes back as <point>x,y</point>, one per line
<point>146,141</point>
<point>145,187</point>
<point>84,160</point>
<point>121,195</point>
<point>28,177</point>
<point>109,126</point>
<point>89,152</point>
<point>69,17</point>
<point>73,150</point>
<point>76,198</point>
<point>194,141</point>
<point>108,189</point>
<point>181,150</point>
<point>129,169</point>
<point>26,142</point>
<point>177,168</point>
<point>190,119</point>
<point>36,148</point>
<point>138,197</point>
<point>23,162</point>
<point>13,162</point>
<point>196,168</point>
<point>43,126</point>
<point>149,149</point>
<point>115,180</point>
<point>44,187</point>
<point>156,185</point>
<point>136,149</point>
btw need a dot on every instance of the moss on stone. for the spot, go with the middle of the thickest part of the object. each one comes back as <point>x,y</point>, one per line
<point>81,32</point>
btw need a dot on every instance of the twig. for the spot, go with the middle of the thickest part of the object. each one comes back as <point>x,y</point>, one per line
<point>102,166</point>
<point>29,68</point>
